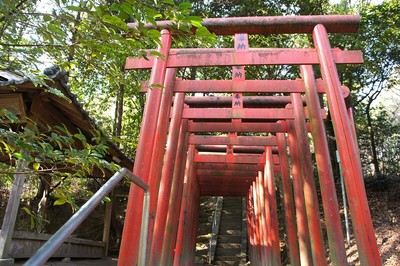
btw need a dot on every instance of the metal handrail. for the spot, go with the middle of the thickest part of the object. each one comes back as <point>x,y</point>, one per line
<point>215,229</point>
<point>45,252</point>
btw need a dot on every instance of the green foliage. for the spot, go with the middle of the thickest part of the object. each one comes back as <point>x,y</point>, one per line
<point>386,126</point>
<point>62,197</point>
<point>57,153</point>
<point>37,221</point>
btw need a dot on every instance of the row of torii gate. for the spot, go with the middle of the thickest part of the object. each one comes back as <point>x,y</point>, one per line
<point>191,146</point>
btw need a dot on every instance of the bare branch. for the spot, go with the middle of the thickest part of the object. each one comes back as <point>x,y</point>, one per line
<point>31,45</point>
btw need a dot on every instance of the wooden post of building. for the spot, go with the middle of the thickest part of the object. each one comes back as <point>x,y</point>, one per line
<point>107,223</point>
<point>7,228</point>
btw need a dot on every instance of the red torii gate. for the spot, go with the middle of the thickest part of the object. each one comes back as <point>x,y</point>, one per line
<point>195,165</point>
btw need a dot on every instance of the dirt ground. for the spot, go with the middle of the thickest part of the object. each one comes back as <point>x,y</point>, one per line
<point>384,199</point>
<point>384,202</point>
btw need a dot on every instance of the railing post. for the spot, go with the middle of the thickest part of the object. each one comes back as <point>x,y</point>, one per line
<point>322,156</point>
<point>348,151</point>
<point>215,229</point>
<point>130,238</point>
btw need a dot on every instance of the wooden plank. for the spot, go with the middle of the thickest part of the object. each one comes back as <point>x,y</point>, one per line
<point>205,57</point>
<point>10,216</point>
<point>14,103</point>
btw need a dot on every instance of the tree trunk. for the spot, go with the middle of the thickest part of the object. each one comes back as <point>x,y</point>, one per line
<point>119,110</point>
<point>332,147</point>
<point>371,132</point>
<point>44,194</point>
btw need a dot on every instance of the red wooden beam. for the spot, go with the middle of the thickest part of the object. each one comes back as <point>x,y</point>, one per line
<point>226,166</point>
<point>325,173</point>
<point>245,113</point>
<point>253,86</point>
<point>176,142</point>
<point>288,201</point>
<point>129,251</point>
<point>250,86</point>
<point>237,149</point>
<point>348,151</point>
<point>226,101</point>
<point>183,166</point>
<point>236,127</point>
<point>309,189</point>
<point>255,170</point>
<point>237,158</point>
<point>190,183</point>
<point>237,140</point>
<point>270,25</point>
<point>228,113</point>
<point>206,57</point>
<point>158,155</point>
<point>271,215</point>
<point>232,173</point>
<point>301,215</point>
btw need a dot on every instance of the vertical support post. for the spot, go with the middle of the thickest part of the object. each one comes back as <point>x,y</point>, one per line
<point>310,192</point>
<point>250,225</point>
<point>180,171</point>
<point>175,131</point>
<point>7,228</point>
<point>348,151</point>
<point>258,249</point>
<point>271,214</point>
<point>288,200</point>
<point>262,206</point>
<point>129,251</point>
<point>325,173</point>
<point>301,214</point>
<point>184,216</point>
<point>158,150</point>
<point>107,223</point>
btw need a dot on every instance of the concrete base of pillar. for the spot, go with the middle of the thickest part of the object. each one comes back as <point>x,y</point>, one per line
<point>7,262</point>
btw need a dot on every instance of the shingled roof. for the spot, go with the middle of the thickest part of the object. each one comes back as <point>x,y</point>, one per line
<point>46,108</point>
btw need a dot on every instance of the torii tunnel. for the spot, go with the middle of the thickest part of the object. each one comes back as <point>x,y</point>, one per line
<point>245,143</point>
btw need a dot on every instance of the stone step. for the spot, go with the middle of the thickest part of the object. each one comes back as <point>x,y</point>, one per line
<point>229,245</point>
<point>228,252</point>
<point>229,239</point>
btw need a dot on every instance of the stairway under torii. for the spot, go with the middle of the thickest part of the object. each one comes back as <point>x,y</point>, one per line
<point>244,144</point>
